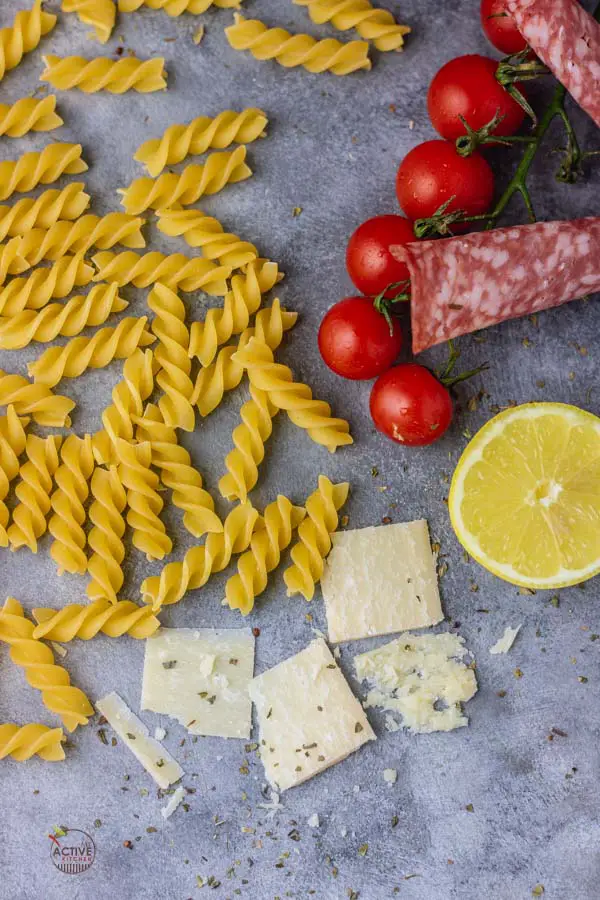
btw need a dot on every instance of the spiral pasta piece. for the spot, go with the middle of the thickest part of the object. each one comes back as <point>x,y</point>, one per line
<point>279,520</point>
<point>44,211</point>
<point>177,473</point>
<point>292,50</point>
<point>23,36</point>
<point>194,182</point>
<point>105,538</point>
<point>241,302</point>
<point>96,352</point>
<point>12,445</point>
<point>128,398</point>
<point>77,237</point>
<point>177,271</point>
<point>100,14</point>
<point>72,489</point>
<point>31,169</point>
<point>200,562</point>
<point>33,491</point>
<point>201,134</point>
<point>143,499</point>
<point>314,537</point>
<point>377,25</point>
<point>42,673</point>
<point>249,440</point>
<point>102,74</point>
<point>43,285</point>
<point>85,622</point>
<point>24,741</point>
<point>225,373</point>
<point>177,7</point>
<point>207,233</point>
<point>11,260</point>
<point>171,354</point>
<point>27,115</point>
<point>295,397</point>
<point>36,400</point>
<point>68,319</point>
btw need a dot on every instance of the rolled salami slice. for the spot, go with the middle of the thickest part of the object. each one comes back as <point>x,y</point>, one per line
<point>462,284</point>
<point>567,39</point>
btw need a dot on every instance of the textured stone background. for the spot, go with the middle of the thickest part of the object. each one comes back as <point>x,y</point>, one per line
<point>333,148</point>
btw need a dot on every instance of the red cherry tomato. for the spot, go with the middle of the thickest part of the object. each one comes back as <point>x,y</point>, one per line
<point>410,406</point>
<point>355,339</point>
<point>500,28</point>
<point>433,173</point>
<point>370,264</point>
<point>467,87</point>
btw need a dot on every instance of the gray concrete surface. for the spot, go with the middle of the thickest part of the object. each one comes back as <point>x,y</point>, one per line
<point>487,812</point>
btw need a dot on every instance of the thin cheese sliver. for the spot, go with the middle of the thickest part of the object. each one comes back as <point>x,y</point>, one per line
<point>150,753</point>
<point>200,677</point>
<point>380,580</point>
<point>309,718</point>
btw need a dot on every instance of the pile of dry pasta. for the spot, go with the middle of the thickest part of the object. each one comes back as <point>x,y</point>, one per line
<point>86,490</point>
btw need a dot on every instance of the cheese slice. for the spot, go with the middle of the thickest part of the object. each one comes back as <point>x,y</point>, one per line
<point>379,581</point>
<point>200,677</point>
<point>422,679</point>
<point>168,810</point>
<point>504,643</point>
<point>309,718</point>
<point>155,759</point>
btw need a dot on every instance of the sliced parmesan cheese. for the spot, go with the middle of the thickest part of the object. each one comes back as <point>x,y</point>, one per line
<point>422,679</point>
<point>390,776</point>
<point>155,759</point>
<point>200,677</point>
<point>504,643</point>
<point>308,717</point>
<point>379,581</point>
<point>168,810</point>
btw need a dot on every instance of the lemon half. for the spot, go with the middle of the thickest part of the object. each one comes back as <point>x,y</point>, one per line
<point>525,496</point>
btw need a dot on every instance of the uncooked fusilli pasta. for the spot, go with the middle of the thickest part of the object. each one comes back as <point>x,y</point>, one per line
<point>293,396</point>
<point>177,473</point>
<point>201,562</point>
<point>143,499</point>
<point>207,233</point>
<point>100,14</point>
<point>291,50</point>
<point>195,181</point>
<point>77,237</point>
<point>31,169</point>
<point>11,260</point>
<point>105,538</point>
<point>33,491</point>
<point>377,25</point>
<point>171,354</point>
<point>28,115</point>
<point>175,270</point>
<point>43,285</point>
<point>72,489</point>
<point>44,211</point>
<point>23,36</point>
<point>85,622</point>
<point>96,352</point>
<point>24,741</point>
<point>36,400</point>
<point>177,7</point>
<point>241,302</point>
<point>314,537</point>
<point>127,401</point>
<point>273,535</point>
<point>201,134</point>
<point>36,658</point>
<point>103,74</point>
<point>12,445</point>
<point>249,440</point>
<point>56,319</point>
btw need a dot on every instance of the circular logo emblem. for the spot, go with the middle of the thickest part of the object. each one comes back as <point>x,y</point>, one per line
<point>72,852</point>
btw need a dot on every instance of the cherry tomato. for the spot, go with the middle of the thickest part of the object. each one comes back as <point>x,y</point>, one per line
<point>355,339</point>
<point>467,87</point>
<point>500,28</point>
<point>370,264</point>
<point>433,173</point>
<point>410,405</point>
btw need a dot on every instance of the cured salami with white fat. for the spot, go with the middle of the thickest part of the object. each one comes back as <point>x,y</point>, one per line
<point>462,284</point>
<point>567,40</point>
